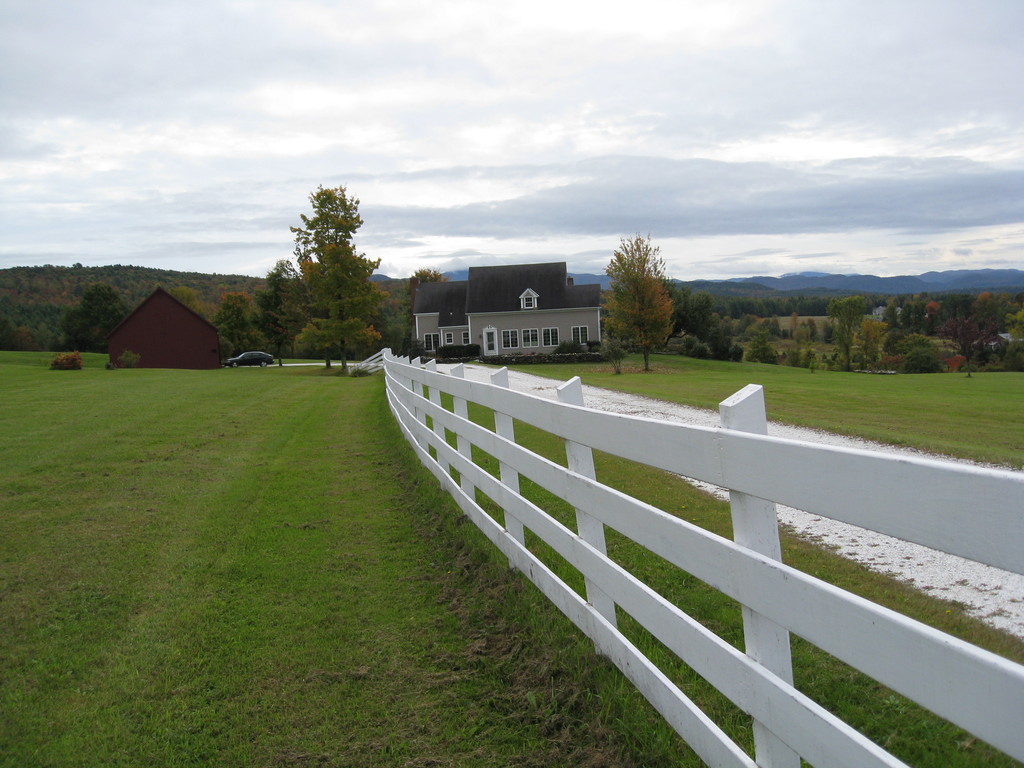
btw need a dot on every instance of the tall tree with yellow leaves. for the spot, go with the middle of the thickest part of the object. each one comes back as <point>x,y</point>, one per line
<point>342,298</point>
<point>639,307</point>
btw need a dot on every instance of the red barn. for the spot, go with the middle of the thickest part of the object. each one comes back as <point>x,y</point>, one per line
<point>166,334</point>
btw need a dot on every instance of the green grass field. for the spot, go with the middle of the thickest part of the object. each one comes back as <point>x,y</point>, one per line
<point>244,567</point>
<point>248,567</point>
<point>980,418</point>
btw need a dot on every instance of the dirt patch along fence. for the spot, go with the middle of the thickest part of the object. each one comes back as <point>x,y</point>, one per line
<point>968,511</point>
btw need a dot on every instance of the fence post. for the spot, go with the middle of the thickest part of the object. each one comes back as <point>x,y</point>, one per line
<point>419,390</point>
<point>462,442</point>
<point>580,459</point>
<point>438,427</point>
<point>503,428</point>
<point>756,526</point>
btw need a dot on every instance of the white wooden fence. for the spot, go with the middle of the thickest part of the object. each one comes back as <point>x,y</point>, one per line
<point>973,512</point>
<point>373,363</point>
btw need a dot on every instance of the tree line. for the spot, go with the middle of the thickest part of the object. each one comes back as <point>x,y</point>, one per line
<point>323,304</point>
<point>33,300</point>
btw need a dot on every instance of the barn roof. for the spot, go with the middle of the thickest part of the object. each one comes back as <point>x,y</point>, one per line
<point>162,293</point>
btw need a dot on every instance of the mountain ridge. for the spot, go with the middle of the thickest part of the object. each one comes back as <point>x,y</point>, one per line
<point>948,281</point>
<point>953,280</point>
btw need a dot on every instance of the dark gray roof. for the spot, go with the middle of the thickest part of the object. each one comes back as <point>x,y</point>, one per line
<point>447,299</point>
<point>497,289</point>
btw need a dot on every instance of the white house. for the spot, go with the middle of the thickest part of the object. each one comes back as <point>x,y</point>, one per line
<point>516,309</point>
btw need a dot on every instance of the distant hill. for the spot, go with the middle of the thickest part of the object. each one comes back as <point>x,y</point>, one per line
<point>951,281</point>
<point>64,286</point>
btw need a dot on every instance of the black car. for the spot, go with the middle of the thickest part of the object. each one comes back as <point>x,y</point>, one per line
<point>261,359</point>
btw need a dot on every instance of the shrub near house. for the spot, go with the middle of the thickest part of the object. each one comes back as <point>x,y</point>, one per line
<point>67,361</point>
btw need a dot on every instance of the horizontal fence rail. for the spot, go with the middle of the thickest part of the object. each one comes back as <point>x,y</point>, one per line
<point>373,363</point>
<point>972,512</point>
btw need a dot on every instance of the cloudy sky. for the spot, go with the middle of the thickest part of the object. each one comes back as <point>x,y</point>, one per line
<point>747,137</point>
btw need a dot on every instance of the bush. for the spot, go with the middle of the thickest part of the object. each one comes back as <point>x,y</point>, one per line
<point>569,348</point>
<point>583,357</point>
<point>67,361</point>
<point>614,352</point>
<point>760,349</point>
<point>921,360</point>
<point>458,351</point>
<point>690,346</point>
<point>128,359</point>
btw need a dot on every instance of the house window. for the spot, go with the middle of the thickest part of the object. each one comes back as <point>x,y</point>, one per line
<point>530,337</point>
<point>431,341</point>
<point>465,337</point>
<point>510,339</point>
<point>449,337</point>
<point>550,337</point>
<point>580,334</point>
<point>528,299</point>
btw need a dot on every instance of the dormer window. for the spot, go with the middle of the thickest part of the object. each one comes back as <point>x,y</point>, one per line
<point>528,299</point>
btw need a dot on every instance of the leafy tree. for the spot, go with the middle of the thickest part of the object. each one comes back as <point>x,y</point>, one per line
<point>86,326</point>
<point>922,357</point>
<point>794,325</point>
<point>760,349</point>
<point>967,336</point>
<point>342,298</point>
<point>702,315</point>
<point>1015,325</point>
<point>190,298</point>
<point>931,315</point>
<point>870,339</point>
<point>427,275</point>
<point>912,318</point>
<point>394,318</point>
<point>991,308</point>
<point>891,316</point>
<point>721,343</point>
<point>281,308</point>
<point>234,321</point>
<point>846,315</point>
<point>638,305</point>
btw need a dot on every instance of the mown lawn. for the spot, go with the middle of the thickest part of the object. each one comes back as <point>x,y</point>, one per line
<point>246,567</point>
<point>980,417</point>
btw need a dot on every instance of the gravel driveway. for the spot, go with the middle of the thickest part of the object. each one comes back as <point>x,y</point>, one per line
<point>993,595</point>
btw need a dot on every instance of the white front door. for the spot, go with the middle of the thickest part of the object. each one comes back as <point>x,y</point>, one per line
<point>490,341</point>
